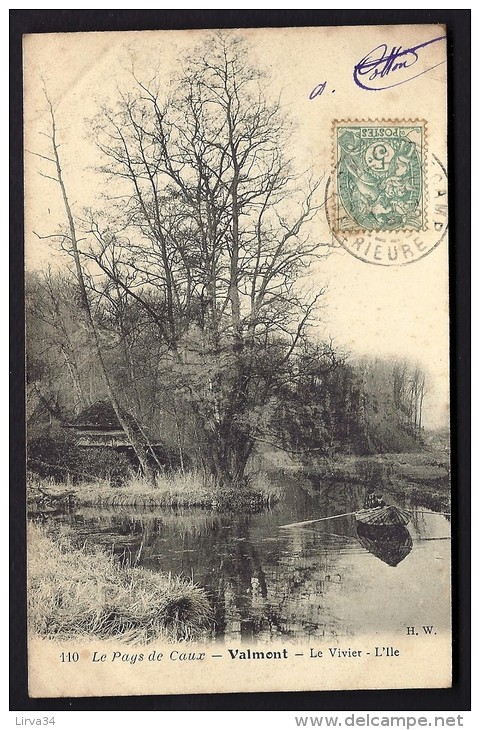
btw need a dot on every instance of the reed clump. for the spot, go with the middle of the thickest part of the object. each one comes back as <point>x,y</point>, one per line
<point>170,490</point>
<point>86,593</point>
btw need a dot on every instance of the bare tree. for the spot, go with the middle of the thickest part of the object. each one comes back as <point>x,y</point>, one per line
<point>207,231</point>
<point>409,392</point>
<point>70,241</point>
<point>417,395</point>
<point>51,300</point>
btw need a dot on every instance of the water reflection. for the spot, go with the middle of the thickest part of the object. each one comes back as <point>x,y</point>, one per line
<point>389,543</point>
<point>323,580</point>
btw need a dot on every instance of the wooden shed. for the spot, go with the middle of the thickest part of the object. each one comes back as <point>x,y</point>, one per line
<point>98,426</point>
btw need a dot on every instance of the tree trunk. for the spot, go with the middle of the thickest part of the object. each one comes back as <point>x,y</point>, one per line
<point>72,369</point>
<point>129,431</point>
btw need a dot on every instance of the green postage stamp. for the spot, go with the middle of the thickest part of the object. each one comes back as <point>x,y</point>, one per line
<point>380,175</point>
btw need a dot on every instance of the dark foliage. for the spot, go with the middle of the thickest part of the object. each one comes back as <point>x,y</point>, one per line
<point>57,456</point>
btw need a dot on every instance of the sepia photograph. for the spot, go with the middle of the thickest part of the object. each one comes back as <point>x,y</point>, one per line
<point>237,360</point>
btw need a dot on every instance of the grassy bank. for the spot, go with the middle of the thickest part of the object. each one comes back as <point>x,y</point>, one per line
<point>76,593</point>
<point>421,478</point>
<point>420,468</point>
<point>173,490</point>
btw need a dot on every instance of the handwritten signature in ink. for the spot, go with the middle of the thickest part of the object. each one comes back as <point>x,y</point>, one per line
<point>375,71</point>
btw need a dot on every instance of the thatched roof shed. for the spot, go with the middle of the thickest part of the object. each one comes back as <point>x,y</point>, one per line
<point>98,425</point>
<point>100,415</point>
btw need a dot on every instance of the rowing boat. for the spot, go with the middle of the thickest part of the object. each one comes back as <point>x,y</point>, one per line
<point>388,515</point>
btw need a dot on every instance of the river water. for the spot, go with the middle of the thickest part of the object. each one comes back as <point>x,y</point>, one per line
<point>325,580</point>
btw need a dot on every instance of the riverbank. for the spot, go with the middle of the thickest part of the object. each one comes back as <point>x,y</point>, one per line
<point>172,491</point>
<point>421,478</point>
<point>75,593</point>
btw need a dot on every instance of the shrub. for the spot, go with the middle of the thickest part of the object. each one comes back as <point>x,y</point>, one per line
<point>58,457</point>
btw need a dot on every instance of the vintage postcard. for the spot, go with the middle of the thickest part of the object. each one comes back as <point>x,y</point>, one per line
<point>238,472</point>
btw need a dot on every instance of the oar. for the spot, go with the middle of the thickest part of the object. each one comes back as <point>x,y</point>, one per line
<point>420,512</point>
<point>319,519</point>
<point>345,514</point>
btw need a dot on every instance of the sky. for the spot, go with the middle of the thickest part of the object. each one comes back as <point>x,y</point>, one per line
<point>396,311</point>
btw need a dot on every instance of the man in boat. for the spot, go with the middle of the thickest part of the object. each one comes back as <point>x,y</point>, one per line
<point>373,500</point>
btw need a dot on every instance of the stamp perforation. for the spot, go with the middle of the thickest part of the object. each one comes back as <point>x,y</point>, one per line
<point>404,122</point>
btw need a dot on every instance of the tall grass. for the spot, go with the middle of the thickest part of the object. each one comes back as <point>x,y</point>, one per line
<point>170,490</point>
<point>86,593</point>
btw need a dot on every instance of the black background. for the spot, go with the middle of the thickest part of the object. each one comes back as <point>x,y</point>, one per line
<point>458,45</point>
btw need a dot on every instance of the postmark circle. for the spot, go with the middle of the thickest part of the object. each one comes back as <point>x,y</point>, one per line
<point>401,247</point>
